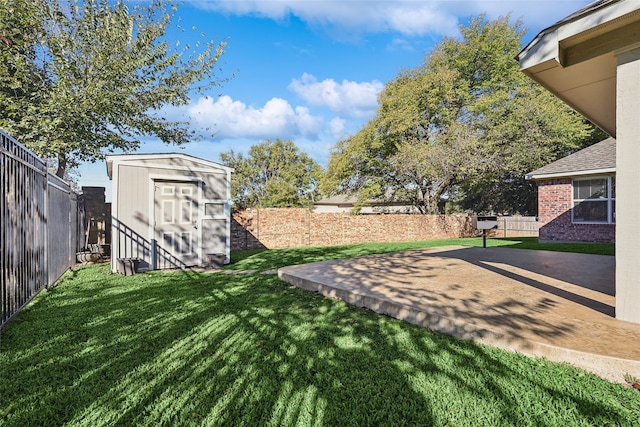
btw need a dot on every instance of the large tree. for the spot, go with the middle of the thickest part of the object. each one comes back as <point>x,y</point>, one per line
<point>78,79</point>
<point>461,122</point>
<point>275,174</point>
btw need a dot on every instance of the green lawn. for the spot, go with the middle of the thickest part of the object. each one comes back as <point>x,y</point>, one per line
<point>248,349</point>
<point>276,258</point>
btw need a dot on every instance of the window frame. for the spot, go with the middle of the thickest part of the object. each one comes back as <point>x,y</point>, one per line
<point>609,199</point>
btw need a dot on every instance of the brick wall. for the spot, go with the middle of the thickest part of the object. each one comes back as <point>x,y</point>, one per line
<point>554,216</point>
<point>281,228</point>
<point>98,214</point>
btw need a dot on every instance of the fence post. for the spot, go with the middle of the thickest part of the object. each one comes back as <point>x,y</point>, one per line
<point>153,254</point>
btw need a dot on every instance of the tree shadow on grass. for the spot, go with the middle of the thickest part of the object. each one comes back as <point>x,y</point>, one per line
<point>262,259</point>
<point>214,349</point>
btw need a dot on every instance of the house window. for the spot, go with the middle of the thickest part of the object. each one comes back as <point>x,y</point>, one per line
<point>594,200</point>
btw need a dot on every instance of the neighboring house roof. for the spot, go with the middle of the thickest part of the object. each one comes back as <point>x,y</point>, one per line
<point>345,203</point>
<point>597,158</point>
<point>349,201</point>
<point>338,200</point>
<point>132,158</point>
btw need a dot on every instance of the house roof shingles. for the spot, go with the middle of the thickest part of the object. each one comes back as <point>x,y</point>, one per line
<point>600,157</point>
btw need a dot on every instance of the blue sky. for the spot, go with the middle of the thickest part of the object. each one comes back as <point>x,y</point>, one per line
<point>310,71</point>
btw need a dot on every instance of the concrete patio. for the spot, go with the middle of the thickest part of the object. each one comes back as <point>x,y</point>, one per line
<point>547,304</point>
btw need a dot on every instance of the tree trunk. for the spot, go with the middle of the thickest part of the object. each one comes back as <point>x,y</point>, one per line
<point>62,166</point>
<point>432,206</point>
<point>430,201</point>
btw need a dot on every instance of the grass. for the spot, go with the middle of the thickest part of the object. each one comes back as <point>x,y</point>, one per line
<point>187,349</point>
<point>275,258</point>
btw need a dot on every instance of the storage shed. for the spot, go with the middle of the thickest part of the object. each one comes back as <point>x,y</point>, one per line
<point>169,211</point>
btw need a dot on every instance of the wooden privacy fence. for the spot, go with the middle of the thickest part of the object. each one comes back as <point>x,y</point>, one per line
<point>41,226</point>
<point>516,226</point>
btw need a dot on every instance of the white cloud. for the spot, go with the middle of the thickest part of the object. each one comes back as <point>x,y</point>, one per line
<point>400,44</point>
<point>347,99</point>
<point>234,119</point>
<point>536,14</point>
<point>336,127</point>
<point>407,17</point>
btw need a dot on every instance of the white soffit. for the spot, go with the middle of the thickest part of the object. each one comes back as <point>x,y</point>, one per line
<point>575,59</point>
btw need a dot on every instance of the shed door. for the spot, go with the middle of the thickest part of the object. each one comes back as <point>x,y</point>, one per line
<point>176,223</point>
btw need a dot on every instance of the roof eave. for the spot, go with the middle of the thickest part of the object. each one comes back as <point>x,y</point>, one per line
<point>119,158</point>
<point>574,59</point>
<point>543,35</point>
<point>545,45</point>
<point>537,177</point>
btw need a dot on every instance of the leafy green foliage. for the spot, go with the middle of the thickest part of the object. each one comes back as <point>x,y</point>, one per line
<point>525,130</point>
<point>81,78</point>
<point>275,174</point>
<point>463,126</point>
<point>185,349</point>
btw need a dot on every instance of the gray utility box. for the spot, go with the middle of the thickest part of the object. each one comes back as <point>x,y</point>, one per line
<point>486,222</point>
<point>216,260</point>
<point>128,266</point>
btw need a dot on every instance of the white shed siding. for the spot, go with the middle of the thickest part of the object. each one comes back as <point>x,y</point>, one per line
<point>135,232</point>
<point>131,221</point>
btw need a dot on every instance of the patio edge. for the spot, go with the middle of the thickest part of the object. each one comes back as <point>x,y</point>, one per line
<point>607,367</point>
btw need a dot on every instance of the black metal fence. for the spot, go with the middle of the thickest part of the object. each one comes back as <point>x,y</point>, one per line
<point>41,226</point>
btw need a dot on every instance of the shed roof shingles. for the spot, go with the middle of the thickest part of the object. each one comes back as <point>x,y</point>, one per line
<point>593,158</point>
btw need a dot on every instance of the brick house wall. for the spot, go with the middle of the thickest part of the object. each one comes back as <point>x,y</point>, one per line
<point>281,228</point>
<point>555,202</point>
